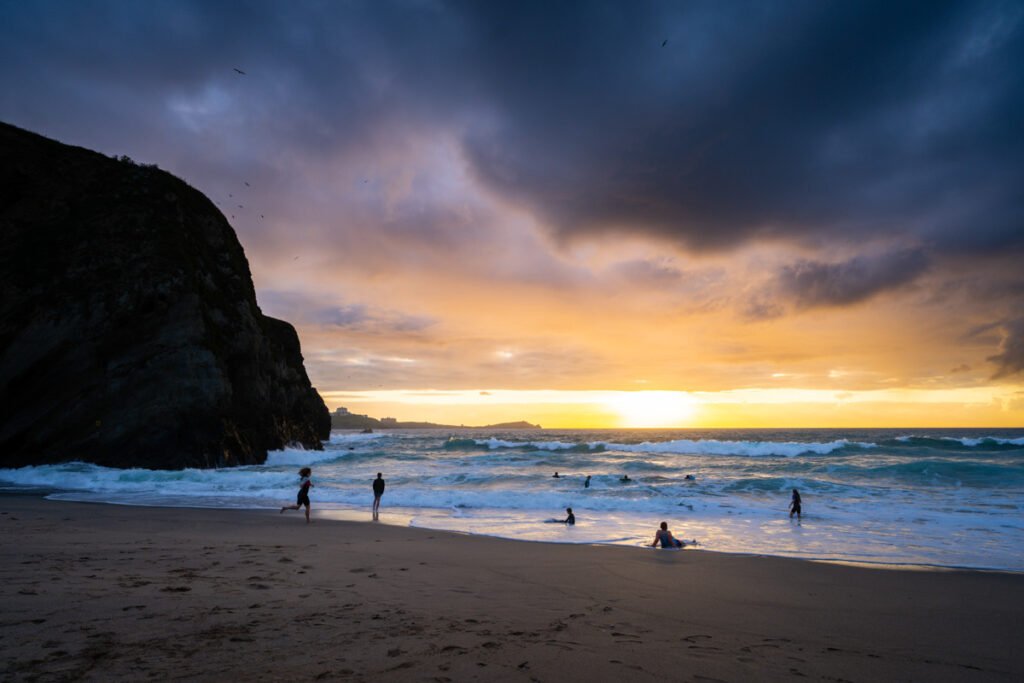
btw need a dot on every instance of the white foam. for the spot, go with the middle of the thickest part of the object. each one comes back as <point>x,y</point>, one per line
<point>300,457</point>
<point>354,437</point>
<point>495,443</point>
<point>972,442</point>
<point>756,449</point>
<point>689,446</point>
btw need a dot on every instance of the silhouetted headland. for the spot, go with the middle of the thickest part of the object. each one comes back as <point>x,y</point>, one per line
<point>130,335</point>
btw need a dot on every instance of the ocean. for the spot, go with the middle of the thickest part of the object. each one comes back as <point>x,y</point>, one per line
<point>925,497</point>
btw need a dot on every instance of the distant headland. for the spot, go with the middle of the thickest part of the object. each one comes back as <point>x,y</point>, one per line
<point>341,418</point>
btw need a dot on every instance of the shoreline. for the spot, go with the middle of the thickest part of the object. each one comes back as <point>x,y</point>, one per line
<point>102,592</point>
<point>356,515</point>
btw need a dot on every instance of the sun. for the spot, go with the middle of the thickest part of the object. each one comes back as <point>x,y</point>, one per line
<point>653,408</point>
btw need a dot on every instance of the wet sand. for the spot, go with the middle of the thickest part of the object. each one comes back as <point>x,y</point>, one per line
<point>101,593</point>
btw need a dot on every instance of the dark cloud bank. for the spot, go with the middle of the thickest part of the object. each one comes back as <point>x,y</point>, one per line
<point>754,119</point>
<point>896,125</point>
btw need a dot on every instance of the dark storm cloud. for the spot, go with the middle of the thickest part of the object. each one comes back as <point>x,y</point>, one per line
<point>1010,359</point>
<point>775,120</point>
<point>811,284</point>
<point>800,120</point>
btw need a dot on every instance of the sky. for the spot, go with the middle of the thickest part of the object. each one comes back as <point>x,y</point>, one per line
<point>595,214</point>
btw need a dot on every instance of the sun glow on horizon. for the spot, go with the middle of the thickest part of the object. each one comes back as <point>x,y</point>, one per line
<point>644,409</point>
<point>738,408</point>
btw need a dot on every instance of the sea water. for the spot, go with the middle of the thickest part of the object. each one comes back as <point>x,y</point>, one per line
<point>951,498</point>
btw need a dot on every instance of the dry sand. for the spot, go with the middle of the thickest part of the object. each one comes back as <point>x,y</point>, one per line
<point>108,593</point>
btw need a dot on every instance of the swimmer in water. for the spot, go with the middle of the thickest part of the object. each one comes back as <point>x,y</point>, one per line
<point>571,519</point>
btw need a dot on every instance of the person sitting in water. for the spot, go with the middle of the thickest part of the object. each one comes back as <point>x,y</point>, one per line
<point>690,477</point>
<point>665,537</point>
<point>571,519</point>
<point>625,478</point>
<point>555,476</point>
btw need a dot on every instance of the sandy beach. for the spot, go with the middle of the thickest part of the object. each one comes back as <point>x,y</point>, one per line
<point>102,592</point>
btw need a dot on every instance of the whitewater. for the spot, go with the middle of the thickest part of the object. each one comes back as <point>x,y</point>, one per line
<point>940,498</point>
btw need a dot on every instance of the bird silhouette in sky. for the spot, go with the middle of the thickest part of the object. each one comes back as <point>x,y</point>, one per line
<point>240,206</point>
<point>261,216</point>
<point>664,42</point>
<point>247,184</point>
<point>239,71</point>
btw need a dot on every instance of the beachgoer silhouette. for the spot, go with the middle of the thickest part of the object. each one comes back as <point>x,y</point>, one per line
<point>690,477</point>
<point>305,484</point>
<point>555,476</point>
<point>378,491</point>
<point>794,505</point>
<point>665,537</point>
<point>571,519</point>
<point>625,478</point>
<point>586,482</point>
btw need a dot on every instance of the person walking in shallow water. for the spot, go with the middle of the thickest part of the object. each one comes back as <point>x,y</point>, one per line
<point>378,491</point>
<point>305,484</point>
<point>794,505</point>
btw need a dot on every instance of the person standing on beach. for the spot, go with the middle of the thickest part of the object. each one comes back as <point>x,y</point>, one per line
<point>378,491</point>
<point>794,505</point>
<point>305,484</point>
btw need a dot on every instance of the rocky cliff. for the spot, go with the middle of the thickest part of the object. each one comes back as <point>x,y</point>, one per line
<point>129,330</point>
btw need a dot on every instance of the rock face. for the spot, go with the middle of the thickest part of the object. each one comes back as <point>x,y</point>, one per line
<point>129,330</point>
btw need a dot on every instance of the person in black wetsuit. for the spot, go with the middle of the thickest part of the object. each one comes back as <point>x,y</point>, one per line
<point>305,484</point>
<point>794,505</point>
<point>571,519</point>
<point>378,491</point>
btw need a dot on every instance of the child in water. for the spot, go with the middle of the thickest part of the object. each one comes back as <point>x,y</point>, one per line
<point>305,484</point>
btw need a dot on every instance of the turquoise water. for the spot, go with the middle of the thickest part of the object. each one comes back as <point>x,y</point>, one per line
<point>928,497</point>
